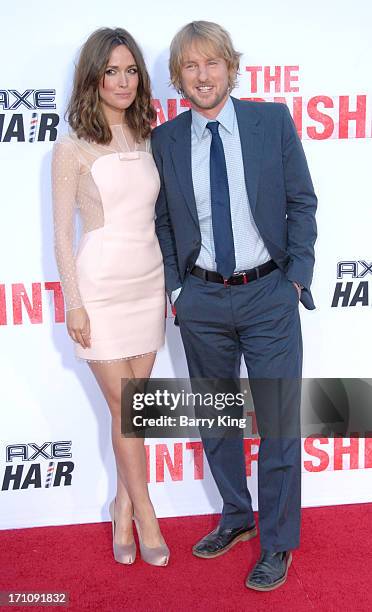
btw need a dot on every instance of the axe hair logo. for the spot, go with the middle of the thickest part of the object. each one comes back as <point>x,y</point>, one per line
<point>33,123</point>
<point>51,469</point>
<point>355,291</point>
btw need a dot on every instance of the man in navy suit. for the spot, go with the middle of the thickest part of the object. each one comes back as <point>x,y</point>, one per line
<point>235,220</point>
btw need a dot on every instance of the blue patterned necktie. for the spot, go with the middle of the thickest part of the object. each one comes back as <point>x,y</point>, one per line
<point>220,204</point>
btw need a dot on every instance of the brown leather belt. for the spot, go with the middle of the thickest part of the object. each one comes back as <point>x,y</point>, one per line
<point>242,278</point>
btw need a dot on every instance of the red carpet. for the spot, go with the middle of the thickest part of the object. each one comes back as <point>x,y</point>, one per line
<point>330,572</point>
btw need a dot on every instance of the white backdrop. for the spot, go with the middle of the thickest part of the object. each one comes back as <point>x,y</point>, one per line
<point>48,397</point>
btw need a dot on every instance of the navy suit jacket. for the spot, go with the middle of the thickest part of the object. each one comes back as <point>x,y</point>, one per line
<point>278,183</point>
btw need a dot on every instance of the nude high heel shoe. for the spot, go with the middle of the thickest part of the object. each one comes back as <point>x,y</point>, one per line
<point>158,555</point>
<point>123,553</point>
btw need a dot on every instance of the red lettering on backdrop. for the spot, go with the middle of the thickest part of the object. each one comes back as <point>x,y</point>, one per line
<point>162,457</point>
<point>314,111</point>
<point>358,115</point>
<point>280,99</point>
<point>171,110</point>
<point>58,301</point>
<point>185,103</point>
<point>20,297</point>
<point>320,462</point>
<point>289,77</point>
<point>197,448</point>
<point>297,114</point>
<point>282,77</point>
<point>159,110</point>
<point>282,80</point>
<point>351,449</point>
<point>320,454</point>
<point>253,70</point>
<point>250,456</point>
<point>296,110</point>
<point>3,319</point>
<point>272,78</point>
<point>368,450</point>
<point>325,120</point>
<point>20,300</point>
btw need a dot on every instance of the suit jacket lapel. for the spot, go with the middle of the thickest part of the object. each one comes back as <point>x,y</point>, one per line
<point>251,133</point>
<point>181,157</point>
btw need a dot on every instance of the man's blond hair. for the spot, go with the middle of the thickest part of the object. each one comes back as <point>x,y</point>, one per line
<point>210,39</point>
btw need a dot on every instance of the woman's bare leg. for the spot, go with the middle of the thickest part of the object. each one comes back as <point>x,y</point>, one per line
<point>108,376</point>
<point>129,453</point>
<point>143,508</point>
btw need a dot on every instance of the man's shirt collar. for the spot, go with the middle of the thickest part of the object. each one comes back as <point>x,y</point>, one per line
<point>225,117</point>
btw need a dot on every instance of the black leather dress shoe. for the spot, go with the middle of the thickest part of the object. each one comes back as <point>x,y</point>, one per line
<point>270,571</point>
<point>221,540</point>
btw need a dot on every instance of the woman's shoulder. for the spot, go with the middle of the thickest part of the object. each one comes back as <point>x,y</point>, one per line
<point>66,142</point>
<point>69,144</point>
<point>69,138</point>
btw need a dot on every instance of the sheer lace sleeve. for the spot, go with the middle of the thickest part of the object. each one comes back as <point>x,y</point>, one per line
<point>65,178</point>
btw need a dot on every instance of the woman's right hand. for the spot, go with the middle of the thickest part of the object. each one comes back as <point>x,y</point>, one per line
<point>78,326</point>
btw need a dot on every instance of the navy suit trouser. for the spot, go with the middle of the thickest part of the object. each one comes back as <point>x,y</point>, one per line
<point>259,320</point>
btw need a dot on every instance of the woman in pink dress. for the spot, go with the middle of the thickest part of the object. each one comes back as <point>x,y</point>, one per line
<point>114,284</point>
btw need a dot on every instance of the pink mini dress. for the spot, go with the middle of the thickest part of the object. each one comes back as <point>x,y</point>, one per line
<point>116,272</point>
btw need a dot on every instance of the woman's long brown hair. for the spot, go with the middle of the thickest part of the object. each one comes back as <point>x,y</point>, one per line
<point>84,111</point>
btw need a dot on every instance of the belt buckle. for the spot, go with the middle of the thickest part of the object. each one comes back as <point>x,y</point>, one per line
<point>225,282</point>
<point>242,274</point>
